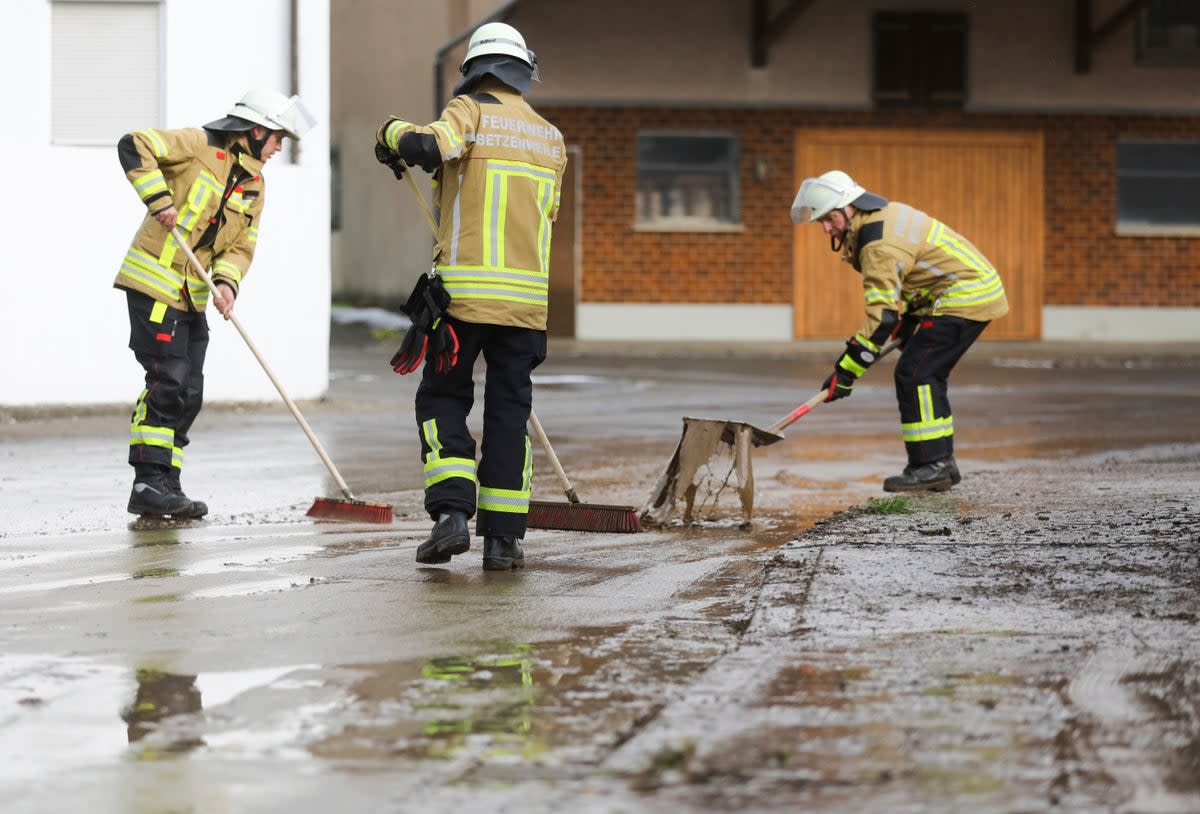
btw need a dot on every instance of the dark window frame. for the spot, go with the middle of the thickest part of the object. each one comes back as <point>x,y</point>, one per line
<point>1158,187</point>
<point>919,58</point>
<point>688,181</point>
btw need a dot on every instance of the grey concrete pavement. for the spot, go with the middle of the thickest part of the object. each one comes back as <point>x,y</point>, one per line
<point>1026,642</point>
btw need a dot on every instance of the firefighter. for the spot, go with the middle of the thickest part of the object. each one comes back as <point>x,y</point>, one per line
<point>917,272</point>
<point>497,169</point>
<point>208,183</point>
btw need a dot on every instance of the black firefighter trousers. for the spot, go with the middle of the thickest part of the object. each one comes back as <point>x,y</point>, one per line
<point>170,345</point>
<point>921,385</point>
<point>505,467</point>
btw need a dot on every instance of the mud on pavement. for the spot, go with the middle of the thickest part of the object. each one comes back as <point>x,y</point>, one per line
<point>1026,642</point>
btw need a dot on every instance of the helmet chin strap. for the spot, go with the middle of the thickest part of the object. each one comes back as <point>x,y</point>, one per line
<point>256,144</point>
<point>838,242</point>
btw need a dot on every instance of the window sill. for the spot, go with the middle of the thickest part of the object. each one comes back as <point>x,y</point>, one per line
<point>1160,230</point>
<point>686,226</point>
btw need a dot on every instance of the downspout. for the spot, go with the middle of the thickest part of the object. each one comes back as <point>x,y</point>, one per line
<point>439,58</point>
<point>294,67</point>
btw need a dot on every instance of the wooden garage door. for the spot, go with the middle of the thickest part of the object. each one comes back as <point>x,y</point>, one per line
<point>985,185</point>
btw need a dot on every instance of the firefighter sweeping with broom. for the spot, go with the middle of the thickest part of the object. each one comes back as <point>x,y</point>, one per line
<point>204,184</point>
<point>498,168</point>
<point>916,272</point>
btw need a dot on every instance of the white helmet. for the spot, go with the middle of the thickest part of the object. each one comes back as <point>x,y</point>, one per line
<point>498,38</point>
<point>275,111</point>
<point>829,191</point>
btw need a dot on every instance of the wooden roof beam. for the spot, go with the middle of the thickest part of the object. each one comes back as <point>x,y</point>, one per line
<point>765,29</point>
<point>1087,39</point>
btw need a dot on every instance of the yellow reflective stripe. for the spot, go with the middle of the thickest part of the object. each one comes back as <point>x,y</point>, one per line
<point>391,133</point>
<point>866,343</point>
<point>146,269</point>
<point>252,234</point>
<point>156,143</point>
<point>974,292</point>
<point>454,140</point>
<point>954,247</point>
<point>158,312</point>
<point>438,469</point>
<point>496,185</point>
<point>198,291</point>
<point>847,363</point>
<point>513,501</point>
<point>150,184</point>
<point>878,295</point>
<point>177,457</point>
<point>928,427</point>
<point>150,436</point>
<point>223,268</point>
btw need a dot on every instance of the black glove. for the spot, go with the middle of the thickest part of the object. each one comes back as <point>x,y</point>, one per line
<point>905,328</point>
<point>838,384</point>
<point>390,160</point>
<point>412,351</point>
<point>443,346</point>
<point>852,364</point>
<point>426,308</point>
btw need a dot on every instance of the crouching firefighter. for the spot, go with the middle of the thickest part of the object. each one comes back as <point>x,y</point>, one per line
<point>923,284</point>
<point>208,183</point>
<point>498,169</point>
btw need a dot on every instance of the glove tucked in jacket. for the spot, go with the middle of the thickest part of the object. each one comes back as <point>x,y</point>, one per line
<point>850,365</point>
<point>431,333</point>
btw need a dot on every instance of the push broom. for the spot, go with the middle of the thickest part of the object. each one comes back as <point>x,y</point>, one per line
<point>345,508</point>
<point>572,515</point>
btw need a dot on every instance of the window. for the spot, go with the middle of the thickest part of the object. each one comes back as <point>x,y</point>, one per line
<point>1169,33</point>
<point>920,58</point>
<point>687,181</point>
<point>1158,187</point>
<point>106,69</point>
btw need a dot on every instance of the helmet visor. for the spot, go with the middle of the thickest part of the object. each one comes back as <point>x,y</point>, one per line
<point>817,198</point>
<point>294,118</point>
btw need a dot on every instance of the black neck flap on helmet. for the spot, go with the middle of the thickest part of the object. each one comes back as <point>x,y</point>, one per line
<point>509,70</point>
<point>236,125</point>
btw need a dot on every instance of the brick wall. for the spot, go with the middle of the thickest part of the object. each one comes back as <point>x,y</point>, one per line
<point>1085,263</point>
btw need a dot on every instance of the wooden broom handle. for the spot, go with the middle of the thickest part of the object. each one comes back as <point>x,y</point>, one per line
<point>568,490</point>
<point>291,405</point>
<point>412,183</point>
<point>795,415</point>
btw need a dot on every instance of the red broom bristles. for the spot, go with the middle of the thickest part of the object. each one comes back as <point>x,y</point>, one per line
<point>328,508</point>
<point>583,517</point>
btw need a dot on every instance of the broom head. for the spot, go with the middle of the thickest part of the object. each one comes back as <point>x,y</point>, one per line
<point>583,517</point>
<point>362,511</point>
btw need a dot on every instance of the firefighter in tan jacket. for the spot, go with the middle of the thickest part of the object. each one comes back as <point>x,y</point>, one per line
<point>208,183</point>
<point>498,169</point>
<point>917,272</point>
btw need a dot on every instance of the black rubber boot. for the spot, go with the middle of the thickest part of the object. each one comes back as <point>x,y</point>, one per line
<point>152,496</point>
<point>502,554</point>
<point>198,508</point>
<point>931,477</point>
<point>450,536</point>
<point>955,477</point>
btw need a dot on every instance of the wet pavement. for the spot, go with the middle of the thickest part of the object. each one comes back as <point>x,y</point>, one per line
<point>1026,642</point>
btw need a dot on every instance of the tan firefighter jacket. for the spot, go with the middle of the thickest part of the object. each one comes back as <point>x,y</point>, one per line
<point>909,258</point>
<point>497,193</point>
<point>194,170</point>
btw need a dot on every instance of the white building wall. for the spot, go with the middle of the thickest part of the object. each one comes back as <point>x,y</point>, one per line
<point>69,214</point>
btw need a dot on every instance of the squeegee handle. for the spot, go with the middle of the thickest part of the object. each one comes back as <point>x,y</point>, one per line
<point>291,405</point>
<point>795,415</point>
<point>568,490</point>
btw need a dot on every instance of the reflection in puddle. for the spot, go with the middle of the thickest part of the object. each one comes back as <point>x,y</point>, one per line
<point>160,696</point>
<point>491,695</point>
